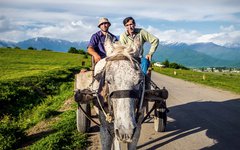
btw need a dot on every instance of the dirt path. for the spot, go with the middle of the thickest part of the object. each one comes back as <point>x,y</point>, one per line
<point>44,127</point>
<point>200,117</point>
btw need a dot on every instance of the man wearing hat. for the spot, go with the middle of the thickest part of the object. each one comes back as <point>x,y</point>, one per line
<point>97,50</point>
<point>96,44</point>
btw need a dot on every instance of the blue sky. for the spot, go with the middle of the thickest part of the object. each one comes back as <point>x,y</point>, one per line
<point>188,21</point>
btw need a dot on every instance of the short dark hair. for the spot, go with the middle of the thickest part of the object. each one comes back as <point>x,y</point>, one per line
<point>127,19</point>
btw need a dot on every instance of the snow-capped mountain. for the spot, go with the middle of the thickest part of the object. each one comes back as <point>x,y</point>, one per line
<point>232,45</point>
<point>7,44</point>
<point>197,55</point>
<point>48,43</point>
<point>191,55</point>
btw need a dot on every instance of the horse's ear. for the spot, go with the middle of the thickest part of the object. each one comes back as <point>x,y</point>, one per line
<point>108,45</point>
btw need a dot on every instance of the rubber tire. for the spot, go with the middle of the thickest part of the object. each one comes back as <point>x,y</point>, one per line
<point>160,119</point>
<point>83,123</point>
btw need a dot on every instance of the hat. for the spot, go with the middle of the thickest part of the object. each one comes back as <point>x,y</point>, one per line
<point>103,20</point>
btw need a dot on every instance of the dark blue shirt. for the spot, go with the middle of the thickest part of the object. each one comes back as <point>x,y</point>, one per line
<point>97,42</point>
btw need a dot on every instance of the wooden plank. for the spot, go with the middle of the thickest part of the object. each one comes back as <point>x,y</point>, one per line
<point>83,80</point>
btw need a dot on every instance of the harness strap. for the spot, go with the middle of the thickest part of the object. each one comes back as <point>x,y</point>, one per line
<point>98,76</point>
<point>109,118</point>
<point>124,94</point>
<point>87,115</point>
<point>123,57</point>
<point>140,103</point>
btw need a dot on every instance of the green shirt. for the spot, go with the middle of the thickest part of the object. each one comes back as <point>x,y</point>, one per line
<point>143,36</point>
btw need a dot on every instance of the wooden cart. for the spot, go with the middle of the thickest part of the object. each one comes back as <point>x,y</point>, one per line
<point>154,94</point>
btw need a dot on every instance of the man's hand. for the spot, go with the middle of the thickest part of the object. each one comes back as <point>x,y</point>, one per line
<point>95,55</point>
<point>149,57</point>
<point>96,58</point>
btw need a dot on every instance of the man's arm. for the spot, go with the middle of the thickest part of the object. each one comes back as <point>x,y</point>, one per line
<point>95,55</point>
<point>154,41</point>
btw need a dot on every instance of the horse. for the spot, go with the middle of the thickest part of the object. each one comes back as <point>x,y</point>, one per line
<point>121,91</point>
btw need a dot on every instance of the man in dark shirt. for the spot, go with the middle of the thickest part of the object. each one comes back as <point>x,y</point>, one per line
<point>96,44</point>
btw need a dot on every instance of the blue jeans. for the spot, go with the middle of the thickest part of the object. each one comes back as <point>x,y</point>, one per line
<point>145,63</point>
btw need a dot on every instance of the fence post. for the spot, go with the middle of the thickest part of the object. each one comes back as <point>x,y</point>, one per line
<point>204,77</point>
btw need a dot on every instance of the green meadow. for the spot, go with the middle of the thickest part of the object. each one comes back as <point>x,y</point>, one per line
<point>22,63</point>
<point>225,81</point>
<point>34,88</point>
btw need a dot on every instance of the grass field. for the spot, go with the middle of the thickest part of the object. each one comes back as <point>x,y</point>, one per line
<point>22,63</point>
<point>226,81</point>
<point>34,86</point>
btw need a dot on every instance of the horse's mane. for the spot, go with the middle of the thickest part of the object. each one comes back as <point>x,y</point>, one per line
<point>121,52</point>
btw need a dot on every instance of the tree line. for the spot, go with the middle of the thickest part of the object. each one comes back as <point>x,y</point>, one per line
<point>174,65</point>
<point>70,50</point>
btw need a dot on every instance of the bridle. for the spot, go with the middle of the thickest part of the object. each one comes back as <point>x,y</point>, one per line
<point>136,93</point>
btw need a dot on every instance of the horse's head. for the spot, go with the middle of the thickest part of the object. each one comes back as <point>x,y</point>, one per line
<point>115,48</point>
<point>124,78</point>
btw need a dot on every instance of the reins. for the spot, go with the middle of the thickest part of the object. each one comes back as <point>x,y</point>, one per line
<point>88,117</point>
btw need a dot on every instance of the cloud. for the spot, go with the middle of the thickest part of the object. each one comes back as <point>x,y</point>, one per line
<point>227,35</point>
<point>4,24</point>
<point>73,31</point>
<point>76,20</point>
<point>227,29</point>
<point>175,35</point>
<point>172,10</point>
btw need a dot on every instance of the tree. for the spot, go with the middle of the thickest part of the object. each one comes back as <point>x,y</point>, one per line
<point>16,47</point>
<point>31,48</point>
<point>73,50</point>
<point>174,65</point>
<point>44,49</point>
<point>81,51</point>
<point>85,56</point>
<point>166,63</point>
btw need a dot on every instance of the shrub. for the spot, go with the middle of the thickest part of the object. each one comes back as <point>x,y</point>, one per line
<point>65,136</point>
<point>10,134</point>
<point>31,48</point>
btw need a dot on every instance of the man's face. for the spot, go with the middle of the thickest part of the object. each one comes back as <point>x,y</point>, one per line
<point>104,26</point>
<point>130,26</point>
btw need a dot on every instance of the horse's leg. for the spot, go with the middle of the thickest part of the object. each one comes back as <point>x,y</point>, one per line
<point>105,132</point>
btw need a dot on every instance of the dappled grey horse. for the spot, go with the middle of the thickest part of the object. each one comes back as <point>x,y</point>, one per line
<point>120,87</point>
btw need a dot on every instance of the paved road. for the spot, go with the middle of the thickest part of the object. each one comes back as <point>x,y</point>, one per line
<point>200,118</point>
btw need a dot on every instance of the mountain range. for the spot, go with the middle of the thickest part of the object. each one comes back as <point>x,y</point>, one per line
<point>47,43</point>
<point>190,55</point>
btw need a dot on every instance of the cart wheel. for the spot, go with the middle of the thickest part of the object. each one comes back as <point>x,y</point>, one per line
<point>160,119</point>
<point>83,123</point>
